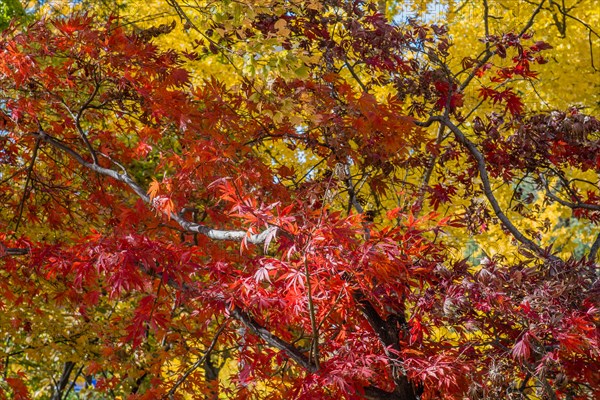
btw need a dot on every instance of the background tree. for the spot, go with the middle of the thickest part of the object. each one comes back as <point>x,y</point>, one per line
<point>302,216</point>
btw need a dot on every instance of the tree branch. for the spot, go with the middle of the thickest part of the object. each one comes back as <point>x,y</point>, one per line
<point>63,380</point>
<point>532,18</point>
<point>486,22</point>
<point>481,63</point>
<point>594,250</point>
<point>313,319</point>
<point>199,362</point>
<point>583,206</point>
<point>185,224</point>
<point>26,188</point>
<point>12,251</point>
<point>487,189</point>
<point>388,331</point>
<point>489,54</point>
<point>78,123</point>
<point>428,172</point>
<point>404,389</point>
<point>354,75</point>
<point>374,393</point>
<point>74,381</point>
<point>290,350</point>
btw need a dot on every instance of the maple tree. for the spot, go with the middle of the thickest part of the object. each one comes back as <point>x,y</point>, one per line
<point>297,219</point>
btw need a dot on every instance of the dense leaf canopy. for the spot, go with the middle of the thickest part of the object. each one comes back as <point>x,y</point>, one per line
<point>316,199</point>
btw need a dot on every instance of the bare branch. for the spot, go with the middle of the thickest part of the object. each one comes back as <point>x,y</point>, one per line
<point>486,22</point>
<point>74,381</point>
<point>77,118</point>
<point>313,319</point>
<point>384,328</point>
<point>78,122</point>
<point>389,331</point>
<point>430,120</point>
<point>355,76</point>
<point>481,63</point>
<point>374,393</point>
<point>429,171</point>
<point>353,200</point>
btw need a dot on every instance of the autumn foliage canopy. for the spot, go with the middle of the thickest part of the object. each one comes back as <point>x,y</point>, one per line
<point>299,231</point>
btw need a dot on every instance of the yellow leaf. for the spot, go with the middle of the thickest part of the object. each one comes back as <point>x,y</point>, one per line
<point>302,72</point>
<point>281,26</point>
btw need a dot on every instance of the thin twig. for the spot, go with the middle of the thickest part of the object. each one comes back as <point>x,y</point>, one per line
<point>594,250</point>
<point>531,19</point>
<point>583,206</point>
<point>198,363</point>
<point>313,318</point>
<point>25,189</point>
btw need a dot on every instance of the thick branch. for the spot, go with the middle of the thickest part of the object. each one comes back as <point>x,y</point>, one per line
<point>291,351</point>
<point>185,224</point>
<point>486,22</point>
<point>63,380</point>
<point>74,381</point>
<point>389,331</point>
<point>374,393</point>
<point>404,390</point>
<point>487,189</point>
